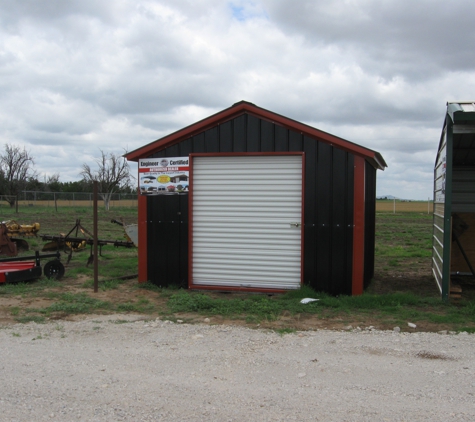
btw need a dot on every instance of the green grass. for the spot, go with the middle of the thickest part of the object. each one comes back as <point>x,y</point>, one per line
<point>70,303</point>
<point>103,285</point>
<point>401,239</point>
<point>142,305</point>
<point>283,331</point>
<point>82,303</point>
<point>28,288</point>
<point>30,318</point>
<point>405,235</point>
<point>258,306</point>
<point>392,308</point>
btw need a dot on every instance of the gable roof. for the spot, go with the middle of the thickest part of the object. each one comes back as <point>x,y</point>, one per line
<point>460,115</point>
<point>244,107</point>
<point>461,110</point>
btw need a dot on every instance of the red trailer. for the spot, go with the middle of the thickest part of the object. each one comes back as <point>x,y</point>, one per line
<point>26,268</point>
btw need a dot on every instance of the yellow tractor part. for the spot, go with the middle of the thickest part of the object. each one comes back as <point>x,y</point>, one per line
<point>15,230</point>
<point>23,230</point>
<point>63,244</point>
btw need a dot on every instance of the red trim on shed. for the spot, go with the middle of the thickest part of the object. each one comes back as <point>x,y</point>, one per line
<point>302,224</point>
<point>245,107</point>
<point>358,226</point>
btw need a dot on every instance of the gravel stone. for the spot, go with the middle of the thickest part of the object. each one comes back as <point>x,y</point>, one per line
<point>98,369</point>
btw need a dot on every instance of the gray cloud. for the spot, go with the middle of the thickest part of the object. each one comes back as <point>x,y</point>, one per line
<point>415,39</point>
<point>76,76</point>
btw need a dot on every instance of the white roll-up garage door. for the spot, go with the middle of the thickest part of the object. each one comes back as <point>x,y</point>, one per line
<point>246,213</point>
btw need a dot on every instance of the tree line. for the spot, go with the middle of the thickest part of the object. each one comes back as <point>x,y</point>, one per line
<point>17,173</point>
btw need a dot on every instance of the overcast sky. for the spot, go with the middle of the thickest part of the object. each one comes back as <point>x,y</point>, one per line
<point>80,76</point>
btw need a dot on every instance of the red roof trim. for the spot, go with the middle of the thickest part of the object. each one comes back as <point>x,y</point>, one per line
<point>246,107</point>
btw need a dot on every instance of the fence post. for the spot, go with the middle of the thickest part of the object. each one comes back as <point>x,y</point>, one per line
<point>96,257</point>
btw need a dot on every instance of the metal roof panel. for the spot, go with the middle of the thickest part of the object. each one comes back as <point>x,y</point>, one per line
<point>242,107</point>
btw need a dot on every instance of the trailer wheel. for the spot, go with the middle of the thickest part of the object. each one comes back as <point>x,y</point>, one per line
<point>54,269</point>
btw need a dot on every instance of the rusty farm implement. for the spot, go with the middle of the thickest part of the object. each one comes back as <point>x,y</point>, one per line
<point>79,238</point>
<point>23,268</point>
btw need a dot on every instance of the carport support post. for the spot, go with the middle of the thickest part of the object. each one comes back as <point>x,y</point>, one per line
<point>96,287</point>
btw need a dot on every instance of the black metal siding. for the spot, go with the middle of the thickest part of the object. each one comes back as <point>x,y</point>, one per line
<point>167,239</point>
<point>328,225</point>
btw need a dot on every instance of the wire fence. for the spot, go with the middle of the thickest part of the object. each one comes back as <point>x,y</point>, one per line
<point>397,205</point>
<point>85,199</point>
<point>69,199</point>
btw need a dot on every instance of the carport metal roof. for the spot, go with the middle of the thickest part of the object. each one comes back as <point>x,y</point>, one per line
<point>244,107</point>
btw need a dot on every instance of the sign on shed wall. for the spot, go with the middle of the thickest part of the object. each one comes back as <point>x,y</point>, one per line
<point>163,175</point>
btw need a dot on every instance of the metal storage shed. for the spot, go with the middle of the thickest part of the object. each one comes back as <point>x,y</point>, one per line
<point>272,204</point>
<point>453,250</point>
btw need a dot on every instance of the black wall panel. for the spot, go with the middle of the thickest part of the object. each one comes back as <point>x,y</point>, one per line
<point>173,151</point>
<point>323,220</point>
<point>186,147</point>
<point>211,140</point>
<point>310,210</point>
<point>239,133</point>
<point>253,134</point>
<point>167,239</point>
<point>328,224</point>
<point>295,141</point>
<point>199,142</point>
<point>225,137</point>
<point>281,139</point>
<point>267,136</point>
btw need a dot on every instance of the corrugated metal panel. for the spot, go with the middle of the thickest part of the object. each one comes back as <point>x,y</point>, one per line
<point>438,230</point>
<point>468,107</point>
<point>243,208</point>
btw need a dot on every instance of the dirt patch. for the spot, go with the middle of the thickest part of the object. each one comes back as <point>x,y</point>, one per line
<point>393,273</point>
<point>129,291</point>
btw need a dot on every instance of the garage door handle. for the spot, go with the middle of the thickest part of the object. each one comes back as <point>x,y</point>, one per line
<point>295,224</point>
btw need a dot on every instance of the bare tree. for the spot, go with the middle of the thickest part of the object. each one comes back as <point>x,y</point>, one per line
<point>112,174</point>
<point>51,183</point>
<point>16,169</point>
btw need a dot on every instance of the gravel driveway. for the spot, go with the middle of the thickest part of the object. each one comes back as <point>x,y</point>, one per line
<point>112,369</point>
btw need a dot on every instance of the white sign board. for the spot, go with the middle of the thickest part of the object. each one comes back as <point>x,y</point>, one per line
<point>160,176</point>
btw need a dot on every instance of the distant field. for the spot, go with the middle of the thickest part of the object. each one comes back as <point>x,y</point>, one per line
<point>404,206</point>
<point>75,203</point>
<point>381,205</point>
